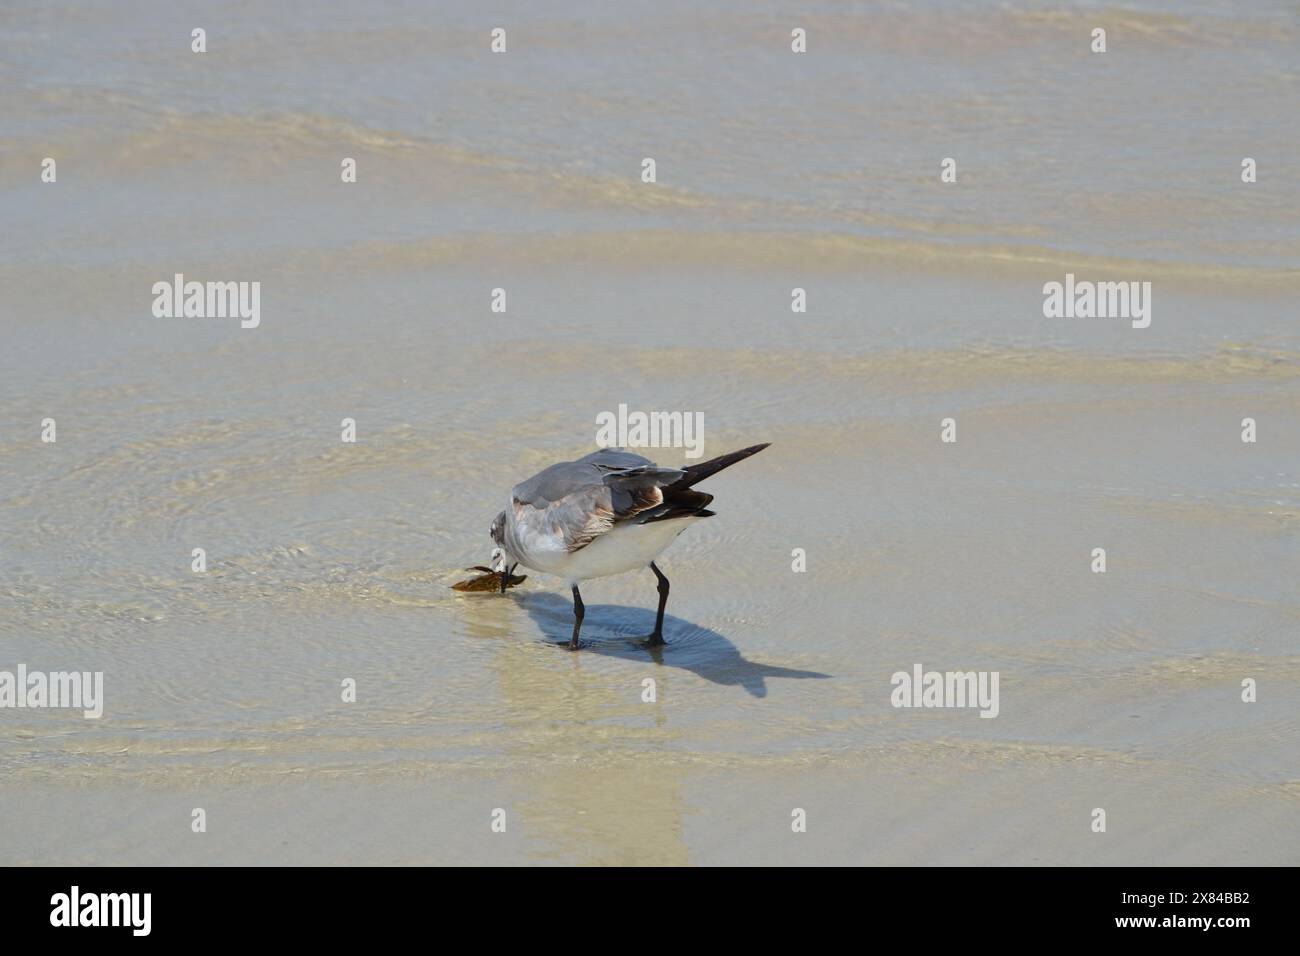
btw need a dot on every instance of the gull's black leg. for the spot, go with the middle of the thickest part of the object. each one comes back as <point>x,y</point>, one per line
<point>577,618</point>
<point>657,638</point>
<point>505,576</point>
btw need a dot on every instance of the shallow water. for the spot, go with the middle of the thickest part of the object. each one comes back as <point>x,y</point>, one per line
<point>329,560</point>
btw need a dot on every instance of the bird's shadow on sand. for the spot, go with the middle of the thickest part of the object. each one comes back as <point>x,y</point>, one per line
<point>615,631</point>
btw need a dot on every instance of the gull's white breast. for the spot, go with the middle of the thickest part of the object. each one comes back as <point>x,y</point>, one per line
<point>625,547</point>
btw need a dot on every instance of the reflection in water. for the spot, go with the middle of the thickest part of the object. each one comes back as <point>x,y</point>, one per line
<point>625,810</point>
<point>483,617</point>
<point>602,784</point>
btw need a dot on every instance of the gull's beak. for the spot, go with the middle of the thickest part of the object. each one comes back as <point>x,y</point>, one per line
<point>500,565</point>
<point>498,560</point>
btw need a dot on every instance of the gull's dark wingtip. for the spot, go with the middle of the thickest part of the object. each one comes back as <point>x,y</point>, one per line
<point>697,473</point>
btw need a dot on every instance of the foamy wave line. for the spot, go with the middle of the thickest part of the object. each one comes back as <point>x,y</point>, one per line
<point>753,231</point>
<point>825,252</point>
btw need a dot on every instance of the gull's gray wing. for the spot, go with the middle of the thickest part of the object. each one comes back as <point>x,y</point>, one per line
<point>574,502</point>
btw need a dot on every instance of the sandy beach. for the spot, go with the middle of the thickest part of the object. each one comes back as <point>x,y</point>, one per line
<point>330,561</point>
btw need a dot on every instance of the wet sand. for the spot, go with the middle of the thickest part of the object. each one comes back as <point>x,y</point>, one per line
<point>329,561</point>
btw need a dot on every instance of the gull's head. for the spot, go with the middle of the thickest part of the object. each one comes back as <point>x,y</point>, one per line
<point>498,533</point>
<point>500,556</point>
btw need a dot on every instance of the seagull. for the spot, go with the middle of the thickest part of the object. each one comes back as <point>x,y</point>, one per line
<point>610,512</point>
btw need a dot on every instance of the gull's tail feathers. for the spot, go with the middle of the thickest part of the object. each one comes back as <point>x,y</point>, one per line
<point>697,473</point>
<point>682,501</point>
